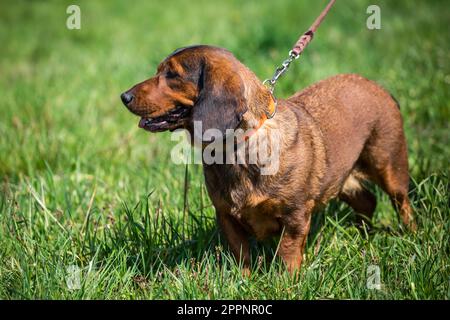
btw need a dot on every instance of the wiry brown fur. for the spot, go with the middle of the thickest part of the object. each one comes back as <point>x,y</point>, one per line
<point>334,135</point>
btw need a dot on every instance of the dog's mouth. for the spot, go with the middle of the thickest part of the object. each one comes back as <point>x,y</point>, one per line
<point>174,119</point>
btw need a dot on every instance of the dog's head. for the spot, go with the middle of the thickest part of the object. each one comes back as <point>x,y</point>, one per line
<point>199,83</point>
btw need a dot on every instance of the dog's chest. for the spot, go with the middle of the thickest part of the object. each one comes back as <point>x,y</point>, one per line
<point>261,219</point>
<point>242,195</point>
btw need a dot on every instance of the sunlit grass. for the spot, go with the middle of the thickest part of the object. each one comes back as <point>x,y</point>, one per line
<point>81,185</point>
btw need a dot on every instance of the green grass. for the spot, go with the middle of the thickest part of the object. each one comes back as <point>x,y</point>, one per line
<point>82,185</point>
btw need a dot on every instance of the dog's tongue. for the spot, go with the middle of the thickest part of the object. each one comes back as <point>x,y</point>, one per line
<point>142,123</point>
<point>152,125</point>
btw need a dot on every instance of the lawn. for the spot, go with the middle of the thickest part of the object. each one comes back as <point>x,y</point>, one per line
<point>86,195</point>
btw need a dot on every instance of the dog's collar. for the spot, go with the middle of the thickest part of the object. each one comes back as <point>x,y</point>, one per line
<point>270,113</point>
<point>272,109</point>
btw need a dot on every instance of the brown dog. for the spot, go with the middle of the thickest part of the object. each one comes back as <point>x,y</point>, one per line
<point>332,136</point>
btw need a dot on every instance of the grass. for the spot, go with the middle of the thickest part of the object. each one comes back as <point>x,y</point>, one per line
<point>82,186</point>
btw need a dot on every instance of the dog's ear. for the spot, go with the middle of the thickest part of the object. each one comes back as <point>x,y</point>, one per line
<point>221,103</point>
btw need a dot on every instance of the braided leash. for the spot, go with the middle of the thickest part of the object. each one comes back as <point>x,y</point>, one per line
<point>294,54</point>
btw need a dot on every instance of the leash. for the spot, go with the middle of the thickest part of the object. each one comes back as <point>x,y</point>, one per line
<point>294,54</point>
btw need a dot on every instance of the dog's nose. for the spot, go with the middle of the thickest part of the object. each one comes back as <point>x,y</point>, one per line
<point>126,98</point>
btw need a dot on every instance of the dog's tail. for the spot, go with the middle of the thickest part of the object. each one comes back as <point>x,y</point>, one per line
<point>396,101</point>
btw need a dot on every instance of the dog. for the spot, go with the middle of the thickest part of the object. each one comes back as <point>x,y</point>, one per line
<point>333,137</point>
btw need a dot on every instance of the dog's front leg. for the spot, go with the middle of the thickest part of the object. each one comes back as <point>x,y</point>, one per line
<point>237,239</point>
<point>293,240</point>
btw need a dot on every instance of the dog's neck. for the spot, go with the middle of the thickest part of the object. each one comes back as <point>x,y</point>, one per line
<point>251,122</point>
<point>261,104</point>
<point>255,142</point>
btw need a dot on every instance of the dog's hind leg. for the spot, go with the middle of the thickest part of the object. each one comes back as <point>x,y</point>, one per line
<point>385,159</point>
<point>359,198</point>
<point>395,181</point>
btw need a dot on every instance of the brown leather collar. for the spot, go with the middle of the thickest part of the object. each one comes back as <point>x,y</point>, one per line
<point>271,111</point>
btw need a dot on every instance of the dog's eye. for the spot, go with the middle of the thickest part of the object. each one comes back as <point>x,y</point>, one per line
<point>172,74</point>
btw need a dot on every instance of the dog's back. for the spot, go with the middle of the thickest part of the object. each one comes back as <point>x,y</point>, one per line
<point>350,111</point>
<point>363,134</point>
